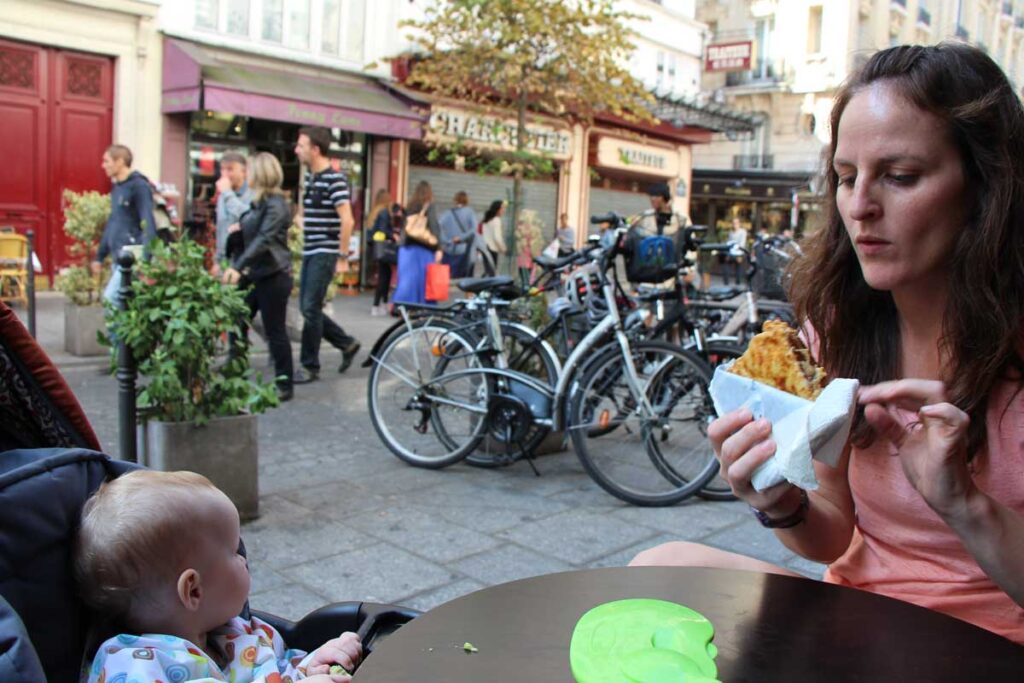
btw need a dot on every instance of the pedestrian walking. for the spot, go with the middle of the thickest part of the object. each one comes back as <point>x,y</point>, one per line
<point>529,242</point>
<point>417,252</point>
<point>734,259</point>
<point>385,248</point>
<point>326,228</point>
<point>493,230</point>
<point>566,236</point>
<point>458,231</point>
<point>131,222</point>
<point>233,199</point>
<point>265,262</point>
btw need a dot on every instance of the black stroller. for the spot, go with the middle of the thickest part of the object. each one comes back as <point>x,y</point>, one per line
<point>49,466</point>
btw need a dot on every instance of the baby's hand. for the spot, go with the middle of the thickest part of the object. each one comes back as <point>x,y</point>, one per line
<point>345,650</point>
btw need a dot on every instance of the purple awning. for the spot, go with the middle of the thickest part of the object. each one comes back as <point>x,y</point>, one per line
<point>194,80</point>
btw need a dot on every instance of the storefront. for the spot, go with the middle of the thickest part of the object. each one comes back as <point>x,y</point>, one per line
<point>216,101</point>
<point>462,151</point>
<point>623,170</point>
<point>762,201</point>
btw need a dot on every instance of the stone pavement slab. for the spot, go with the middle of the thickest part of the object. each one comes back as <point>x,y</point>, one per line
<point>344,519</point>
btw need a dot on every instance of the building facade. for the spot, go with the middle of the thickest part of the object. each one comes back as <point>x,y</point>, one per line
<point>781,62</point>
<point>75,76</point>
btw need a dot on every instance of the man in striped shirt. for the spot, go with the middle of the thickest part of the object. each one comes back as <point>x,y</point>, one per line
<point>326,227</point>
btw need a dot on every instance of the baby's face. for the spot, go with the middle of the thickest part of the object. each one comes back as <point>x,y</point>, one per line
<point>225,574</point>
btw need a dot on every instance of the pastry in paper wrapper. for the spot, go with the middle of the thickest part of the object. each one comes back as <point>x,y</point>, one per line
<point>810,419</point>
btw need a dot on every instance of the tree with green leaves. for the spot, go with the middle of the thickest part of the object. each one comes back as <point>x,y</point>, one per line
<point>566,58</point>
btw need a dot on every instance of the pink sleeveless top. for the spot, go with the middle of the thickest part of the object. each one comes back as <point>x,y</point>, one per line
<point>902,549</point>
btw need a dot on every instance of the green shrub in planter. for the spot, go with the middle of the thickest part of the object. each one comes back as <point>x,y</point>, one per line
<point>85,216</point>
<point>173,324</point>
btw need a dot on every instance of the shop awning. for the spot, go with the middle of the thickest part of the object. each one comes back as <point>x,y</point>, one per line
<point>197,79</point>
<point>683,111</point>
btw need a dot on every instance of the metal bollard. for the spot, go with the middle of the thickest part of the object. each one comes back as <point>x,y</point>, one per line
<point>30,286</point>
<point>126,372</point>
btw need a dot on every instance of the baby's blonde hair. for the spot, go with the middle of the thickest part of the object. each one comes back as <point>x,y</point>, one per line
<point>135,537</point>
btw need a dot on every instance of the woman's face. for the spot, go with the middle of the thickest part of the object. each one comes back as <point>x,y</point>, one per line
<point>901,191</point>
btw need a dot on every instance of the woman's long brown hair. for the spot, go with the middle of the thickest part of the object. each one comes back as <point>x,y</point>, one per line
<point>981,343</point>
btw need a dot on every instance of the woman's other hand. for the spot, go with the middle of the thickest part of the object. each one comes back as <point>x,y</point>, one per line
<point>234,227</point>
<point>231,277</point>
<point>932,450</point>
<point>438,255</point>
<point>742,444</point>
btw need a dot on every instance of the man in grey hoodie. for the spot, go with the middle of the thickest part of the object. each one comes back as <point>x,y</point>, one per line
<point>233,199</point>
<point>131,222</point>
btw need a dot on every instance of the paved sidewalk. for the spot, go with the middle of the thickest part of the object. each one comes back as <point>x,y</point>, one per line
<point>343,519</point>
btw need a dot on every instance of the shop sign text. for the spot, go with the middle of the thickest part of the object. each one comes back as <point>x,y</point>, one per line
<point>729,56</point>
<point>449,125</point>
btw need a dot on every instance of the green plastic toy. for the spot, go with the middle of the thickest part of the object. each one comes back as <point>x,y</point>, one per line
<point>643,641</point>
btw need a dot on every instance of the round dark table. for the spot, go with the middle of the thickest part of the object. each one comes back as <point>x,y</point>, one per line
<point>767,628</point>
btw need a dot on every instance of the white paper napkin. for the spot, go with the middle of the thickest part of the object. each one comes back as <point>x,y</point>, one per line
<point>802,430</point>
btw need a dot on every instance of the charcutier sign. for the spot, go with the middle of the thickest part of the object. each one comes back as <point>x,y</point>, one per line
<point>448,125</point>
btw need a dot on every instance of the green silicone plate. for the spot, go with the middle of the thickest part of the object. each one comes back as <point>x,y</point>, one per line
<point>643,641</point>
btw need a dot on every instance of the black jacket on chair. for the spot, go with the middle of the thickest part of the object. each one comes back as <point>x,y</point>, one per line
<point>264,237</point>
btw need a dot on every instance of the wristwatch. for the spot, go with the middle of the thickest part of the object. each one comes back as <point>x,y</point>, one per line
<point>787,522</point>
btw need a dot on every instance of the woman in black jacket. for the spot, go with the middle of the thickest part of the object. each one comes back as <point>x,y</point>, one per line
<point>264,262</point>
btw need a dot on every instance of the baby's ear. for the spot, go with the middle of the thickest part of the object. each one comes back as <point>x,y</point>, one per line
<point>190,589</point>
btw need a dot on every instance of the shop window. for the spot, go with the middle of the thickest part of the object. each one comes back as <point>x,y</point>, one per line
<point>207,14</point>
<point>238,17</point>
<point>273,20</point>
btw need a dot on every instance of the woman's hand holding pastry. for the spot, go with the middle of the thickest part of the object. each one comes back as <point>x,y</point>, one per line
<point>742,444</point>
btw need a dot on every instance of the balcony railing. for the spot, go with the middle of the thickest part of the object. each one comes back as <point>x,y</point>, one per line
<point>961,33</point>
<point>924,16</point>
<point>901,3</point>
<point>747,162</point>
<point>762,73</point>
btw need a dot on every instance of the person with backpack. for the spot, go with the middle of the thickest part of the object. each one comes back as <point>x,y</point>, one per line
<point>458,230</point>
<point>131,222</point>
<point>655,243</point>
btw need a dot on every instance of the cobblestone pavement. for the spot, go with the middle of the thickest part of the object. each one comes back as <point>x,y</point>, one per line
<point>343,519</point>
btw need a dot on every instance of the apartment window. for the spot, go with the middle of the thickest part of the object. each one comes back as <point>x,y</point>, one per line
<point>671,72</point>
<point>297,28</point>
<point>814,26</point>
<point>661,68</point>
<point>238,17</point>
<point>273,20</point>
<point>353,30</point>
<point>207,14</point>
<point>331,23</point>
<point>763,30</point>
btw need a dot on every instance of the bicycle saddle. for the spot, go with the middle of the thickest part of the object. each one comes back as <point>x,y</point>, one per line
<point>476,285</point>
<point>555,263</point>
<point>725,292</point>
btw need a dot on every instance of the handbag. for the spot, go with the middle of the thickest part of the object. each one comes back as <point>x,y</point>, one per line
<point>385,252</point>
<point>418,230</point>
<point>438,279</point>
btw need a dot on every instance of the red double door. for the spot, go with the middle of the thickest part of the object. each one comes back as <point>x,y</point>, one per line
<point>56,117</point>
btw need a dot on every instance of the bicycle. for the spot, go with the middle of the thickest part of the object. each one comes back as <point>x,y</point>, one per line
<point>652,393</point>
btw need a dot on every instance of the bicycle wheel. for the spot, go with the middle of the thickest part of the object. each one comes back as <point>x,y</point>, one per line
<point>405,405</point>
<point>536,360</point>
<point>717,353</point>
<point>651,458</point>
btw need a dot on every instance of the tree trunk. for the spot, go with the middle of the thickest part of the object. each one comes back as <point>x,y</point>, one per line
<point>517,181</point>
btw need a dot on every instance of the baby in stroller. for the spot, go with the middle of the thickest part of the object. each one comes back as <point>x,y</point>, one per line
<point>157,554</point>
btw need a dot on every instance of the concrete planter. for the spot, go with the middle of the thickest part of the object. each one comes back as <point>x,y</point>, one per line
<point>224,450</point>
<point>81,324</point>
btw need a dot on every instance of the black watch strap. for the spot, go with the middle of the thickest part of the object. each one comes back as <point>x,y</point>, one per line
<point>789,521</point>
